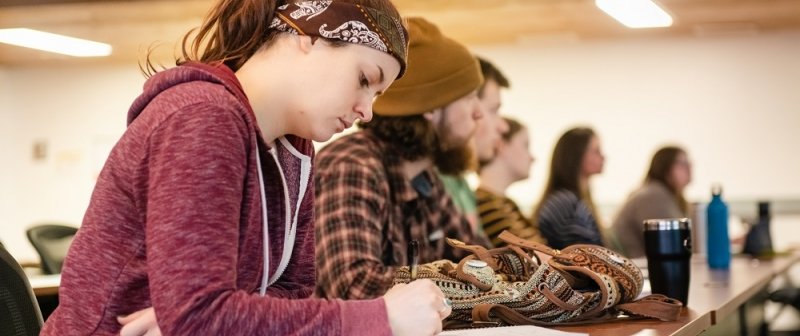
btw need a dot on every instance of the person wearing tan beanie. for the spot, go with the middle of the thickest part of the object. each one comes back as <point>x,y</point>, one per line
<point>378,189</point>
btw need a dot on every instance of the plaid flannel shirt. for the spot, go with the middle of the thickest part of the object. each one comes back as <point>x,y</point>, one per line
<point>367,212</point>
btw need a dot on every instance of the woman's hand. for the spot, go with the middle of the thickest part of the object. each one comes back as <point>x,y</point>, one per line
<point>140,323</point>
<point>414,309</point>
<point>417,308</point>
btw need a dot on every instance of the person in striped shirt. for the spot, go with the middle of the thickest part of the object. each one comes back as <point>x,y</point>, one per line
<point>566,214</point>
<point>511,164</point>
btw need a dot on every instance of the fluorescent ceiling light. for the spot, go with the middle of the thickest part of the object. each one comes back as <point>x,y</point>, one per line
<point>636,13</point>
<point>60,44</point>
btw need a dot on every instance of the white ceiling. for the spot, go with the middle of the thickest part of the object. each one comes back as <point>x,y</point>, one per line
<point>131,27</point>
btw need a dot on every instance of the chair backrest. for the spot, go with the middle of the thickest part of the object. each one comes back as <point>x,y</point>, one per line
<point>19,311</point>
<point>52,242</point>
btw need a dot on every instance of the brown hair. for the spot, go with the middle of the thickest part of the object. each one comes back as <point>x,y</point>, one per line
<point>414,138</point>
<point>514,127</point>
<point>452,160</point>
<point>410,137</point>
<point>234,30</point>
<point>565,167</point>
<point>491,72</point>
<point>660,168</point>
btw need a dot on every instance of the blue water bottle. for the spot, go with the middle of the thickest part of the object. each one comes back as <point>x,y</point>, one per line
<point>719,245</point>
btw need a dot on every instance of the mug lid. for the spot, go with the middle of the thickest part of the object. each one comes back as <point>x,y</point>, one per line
<point>662,224</point>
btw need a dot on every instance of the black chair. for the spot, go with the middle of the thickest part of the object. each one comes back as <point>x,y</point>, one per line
<point>19,312</point>
<point>788,296</point>
<point>52,242</point>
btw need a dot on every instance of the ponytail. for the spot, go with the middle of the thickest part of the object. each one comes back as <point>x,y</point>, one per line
<point>234,30</point>
<point>231,33</point>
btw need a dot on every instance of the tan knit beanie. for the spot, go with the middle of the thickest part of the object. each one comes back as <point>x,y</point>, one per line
<point>439,72</point>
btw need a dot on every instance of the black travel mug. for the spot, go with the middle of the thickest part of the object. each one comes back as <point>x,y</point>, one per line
<point>668,246</point>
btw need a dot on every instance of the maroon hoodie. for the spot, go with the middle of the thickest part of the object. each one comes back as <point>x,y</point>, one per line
<point>175,222</point>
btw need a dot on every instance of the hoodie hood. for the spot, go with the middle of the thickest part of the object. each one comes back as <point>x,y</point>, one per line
<point>186,73</point>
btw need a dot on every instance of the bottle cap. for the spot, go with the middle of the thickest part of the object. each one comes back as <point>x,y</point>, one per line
<point>763,208</point>
<point>716,189</point>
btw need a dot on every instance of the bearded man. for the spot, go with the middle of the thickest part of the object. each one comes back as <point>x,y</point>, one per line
<point>378,189</point>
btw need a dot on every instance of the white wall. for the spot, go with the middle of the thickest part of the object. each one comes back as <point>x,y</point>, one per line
<point>733,102</point>
<point>79,113</point>
<point>9,130</point>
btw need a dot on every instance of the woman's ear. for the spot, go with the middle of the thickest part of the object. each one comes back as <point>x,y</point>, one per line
<point>304,42</point>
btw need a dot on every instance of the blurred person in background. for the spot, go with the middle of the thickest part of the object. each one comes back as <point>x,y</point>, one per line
<point>512,163</point>
<point>566,214</point>
<point>660,196</point>
<point>484,143</point>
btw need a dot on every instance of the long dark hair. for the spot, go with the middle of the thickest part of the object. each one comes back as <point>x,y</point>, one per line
<point>234,30</point>
<point>565,167</point>
<point>661,167</point>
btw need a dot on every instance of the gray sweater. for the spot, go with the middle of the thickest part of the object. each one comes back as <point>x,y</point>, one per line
<point>652,200</point>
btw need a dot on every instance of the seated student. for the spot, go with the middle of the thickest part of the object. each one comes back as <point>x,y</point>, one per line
<point>485,141</point>
<point>661,196</point>
<point>377,189</point>
<point>512,163</point>
<point>566,214</point>
<point>204,207</point>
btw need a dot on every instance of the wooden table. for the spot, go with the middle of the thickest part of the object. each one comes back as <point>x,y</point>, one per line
<point>690,322</point>
<point>714,296</point>
<point>722,292</point>
<point>44,285</point>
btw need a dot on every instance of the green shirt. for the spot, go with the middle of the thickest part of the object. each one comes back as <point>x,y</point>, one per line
<point>464,198</point>
<point>459,191</point>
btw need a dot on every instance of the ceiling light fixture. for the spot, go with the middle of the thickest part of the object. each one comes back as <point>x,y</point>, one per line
<point>55,43</point>
<point>636,13</point>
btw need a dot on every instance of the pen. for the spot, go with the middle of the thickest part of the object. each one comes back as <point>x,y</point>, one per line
<point>413,258</point>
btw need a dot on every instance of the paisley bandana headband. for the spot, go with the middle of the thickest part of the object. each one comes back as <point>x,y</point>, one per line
<point>338,20</point>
